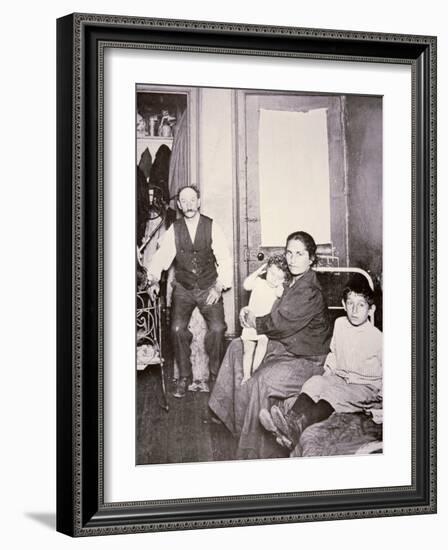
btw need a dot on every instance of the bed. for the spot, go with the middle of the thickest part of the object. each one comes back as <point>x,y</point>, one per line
<point>343,433</point>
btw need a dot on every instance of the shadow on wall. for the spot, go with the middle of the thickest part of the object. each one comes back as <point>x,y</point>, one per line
<point>364,130</point>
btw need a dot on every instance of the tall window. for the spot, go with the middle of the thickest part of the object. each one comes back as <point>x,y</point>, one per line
<point>294,175</point>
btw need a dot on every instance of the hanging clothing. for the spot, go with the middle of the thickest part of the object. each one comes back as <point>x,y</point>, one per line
<point>160,171</point>
<point>142,205</point>
<point>179,172</point>
<point>145,163</point>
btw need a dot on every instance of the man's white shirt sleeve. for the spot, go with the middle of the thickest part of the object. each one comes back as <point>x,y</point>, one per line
<point>164,255</point>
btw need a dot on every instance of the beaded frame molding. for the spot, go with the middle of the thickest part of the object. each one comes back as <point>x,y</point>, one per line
<point>81,509</point>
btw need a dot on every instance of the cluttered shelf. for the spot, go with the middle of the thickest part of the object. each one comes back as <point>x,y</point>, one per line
<point>155,138</point>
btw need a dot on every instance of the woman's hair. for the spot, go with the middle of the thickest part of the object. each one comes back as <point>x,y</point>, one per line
<point>308,243</point>
<point>279,261</point>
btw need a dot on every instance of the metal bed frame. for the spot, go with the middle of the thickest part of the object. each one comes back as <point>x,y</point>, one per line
<point>149,328</point>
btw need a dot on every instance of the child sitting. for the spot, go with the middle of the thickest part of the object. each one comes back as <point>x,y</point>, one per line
<point>264,292</point>
<point>352,379</point>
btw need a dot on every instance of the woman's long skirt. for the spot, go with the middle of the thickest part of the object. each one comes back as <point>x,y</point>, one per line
<point>280,376</point>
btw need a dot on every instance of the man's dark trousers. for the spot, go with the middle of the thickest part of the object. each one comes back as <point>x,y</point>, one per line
<point>184,302</point>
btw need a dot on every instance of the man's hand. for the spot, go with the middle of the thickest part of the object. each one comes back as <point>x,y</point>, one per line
<point>154,291</point>
<point>154,288</point>
<point>214,295</point>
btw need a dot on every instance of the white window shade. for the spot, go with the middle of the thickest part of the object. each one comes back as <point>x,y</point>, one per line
<point>293,175</point>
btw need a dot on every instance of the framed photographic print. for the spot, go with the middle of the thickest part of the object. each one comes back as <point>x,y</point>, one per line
<point>246,274</point>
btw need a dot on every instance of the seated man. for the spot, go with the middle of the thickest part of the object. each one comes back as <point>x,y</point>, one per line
<point>352,379</point>
<point>203,270</point>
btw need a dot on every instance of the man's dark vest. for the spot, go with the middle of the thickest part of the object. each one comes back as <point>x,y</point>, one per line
<point>195,262</point>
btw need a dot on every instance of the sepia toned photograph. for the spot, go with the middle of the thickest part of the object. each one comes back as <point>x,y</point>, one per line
<point>259,274</point>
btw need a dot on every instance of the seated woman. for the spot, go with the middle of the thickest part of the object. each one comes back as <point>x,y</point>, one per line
<point>299,335</point>
<point>352,379</point>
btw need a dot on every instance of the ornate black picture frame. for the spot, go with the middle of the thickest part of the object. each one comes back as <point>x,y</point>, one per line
<point>81,508</point>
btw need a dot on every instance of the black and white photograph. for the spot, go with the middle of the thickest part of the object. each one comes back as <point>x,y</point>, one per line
<point>259,274</point>
<point>222,236</point>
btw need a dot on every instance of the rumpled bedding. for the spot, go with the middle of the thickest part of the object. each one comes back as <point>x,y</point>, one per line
<point>147,355</point>
<point>340,434</point>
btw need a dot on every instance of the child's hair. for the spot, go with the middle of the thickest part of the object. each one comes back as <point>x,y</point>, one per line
<point>359,285</point>
<point>279,261</point>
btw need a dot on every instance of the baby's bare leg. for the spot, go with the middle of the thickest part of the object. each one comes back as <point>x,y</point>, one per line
<point>260,351</point>
<point>248,355</point>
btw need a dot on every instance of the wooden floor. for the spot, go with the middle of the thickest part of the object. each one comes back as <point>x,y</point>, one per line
<point>184,433</point>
